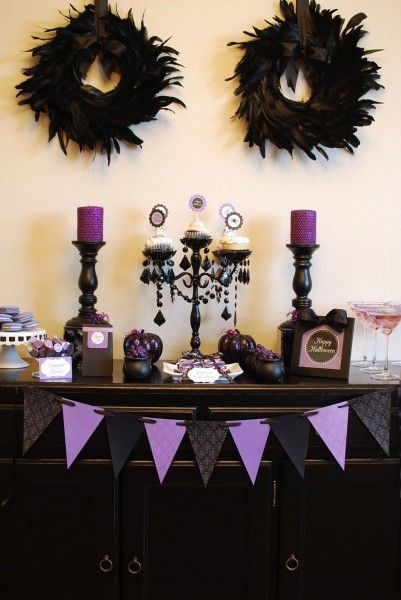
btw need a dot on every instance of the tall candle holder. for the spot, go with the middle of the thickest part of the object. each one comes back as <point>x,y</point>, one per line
<point>87,283</point>
<point>206,280</point>
<point>302,286</point>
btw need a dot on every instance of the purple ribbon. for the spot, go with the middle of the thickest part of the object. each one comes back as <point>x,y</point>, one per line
<point>100,318</point>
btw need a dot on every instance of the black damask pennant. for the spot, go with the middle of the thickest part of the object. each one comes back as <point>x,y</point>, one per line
<point>207,438</point>
<point>40,409</point>
<point>374,412</point>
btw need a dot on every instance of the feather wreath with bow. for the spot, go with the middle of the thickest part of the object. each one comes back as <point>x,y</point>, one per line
<point>83,113</point>
<point>336,69</point>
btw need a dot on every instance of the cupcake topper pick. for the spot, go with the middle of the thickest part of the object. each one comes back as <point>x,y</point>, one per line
<point>157,216</point>
<point>197,203</point>
<point>225,209</point>
<point>234,220</point>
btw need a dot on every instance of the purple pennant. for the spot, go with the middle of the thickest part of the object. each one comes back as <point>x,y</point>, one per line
<point>80,421</point>
<point>331,423</point>
<point>164,437</point>
<point>250,438</point>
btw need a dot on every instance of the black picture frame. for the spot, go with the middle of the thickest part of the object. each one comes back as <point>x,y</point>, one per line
<point>321,351</point>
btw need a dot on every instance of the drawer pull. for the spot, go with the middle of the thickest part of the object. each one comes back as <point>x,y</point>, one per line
<point>106,565</point>
<point>292,563</point>
<point>134,567</point>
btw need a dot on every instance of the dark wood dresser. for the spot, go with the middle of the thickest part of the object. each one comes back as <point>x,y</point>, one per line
<point>80,535</point>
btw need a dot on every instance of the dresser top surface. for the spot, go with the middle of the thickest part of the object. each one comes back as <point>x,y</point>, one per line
<point>161,384</point>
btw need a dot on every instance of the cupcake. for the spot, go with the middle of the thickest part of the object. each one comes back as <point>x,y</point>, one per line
<point>231,241</point>
<point>197,230</point>
<point>160,241</point>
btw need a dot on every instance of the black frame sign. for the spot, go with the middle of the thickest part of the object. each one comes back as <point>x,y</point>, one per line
<point>322,351</point>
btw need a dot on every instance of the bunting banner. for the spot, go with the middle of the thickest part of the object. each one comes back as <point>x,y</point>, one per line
<point>374,412</point>
<point>164,437</point>
<point>40,409</point>
<point>80,421</point>
<point>207,438</point>
<point>292,431</point>
<point>250,437</point>
<point>331,423</point>
<point>124,431</point>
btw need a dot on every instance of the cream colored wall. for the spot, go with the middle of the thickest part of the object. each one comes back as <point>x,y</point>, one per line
<point>198,150</point>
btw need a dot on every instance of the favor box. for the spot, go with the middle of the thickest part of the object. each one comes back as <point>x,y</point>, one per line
<point>97,351</point>
<point>55,368</point>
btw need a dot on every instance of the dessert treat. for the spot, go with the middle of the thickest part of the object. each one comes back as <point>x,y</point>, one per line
<point>11,327</point>
<point>31,325</point>
<point>24,317</point>
<point>5,318</point>
<point>159,241</point>
<point>49,348</point>
<point>185,364</point>
<point>197,230</point>
<point>9,310</point>
<point>11,315</point>
<point>230,240</point>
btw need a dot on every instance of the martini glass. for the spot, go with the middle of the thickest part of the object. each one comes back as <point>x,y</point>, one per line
<point>386,316</point>
<point>358,310</point>
<point>396,363</point>
<point>374,368</point>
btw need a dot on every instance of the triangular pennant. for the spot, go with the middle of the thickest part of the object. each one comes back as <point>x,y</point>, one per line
<point>250,438</point>
<point>164,437</point>
<point>207,438</point>
<point>331,423</point>
<point>124,430</point>
<point>374,412</point>
<point>292,431</point>
<point>40,409</point>
<point>80,421</point>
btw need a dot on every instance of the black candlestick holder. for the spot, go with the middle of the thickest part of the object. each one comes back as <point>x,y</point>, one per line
<point>87,283</point>
<point>205,280</point>
<point>302,286</point>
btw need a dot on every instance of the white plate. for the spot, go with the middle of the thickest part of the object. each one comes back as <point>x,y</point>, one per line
<point>170,369</point>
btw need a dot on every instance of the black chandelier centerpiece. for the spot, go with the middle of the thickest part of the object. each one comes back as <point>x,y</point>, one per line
<point>204,278</point>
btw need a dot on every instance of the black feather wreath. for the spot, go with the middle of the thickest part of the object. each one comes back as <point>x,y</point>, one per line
<point>336,69</point>
<point>82,113</point>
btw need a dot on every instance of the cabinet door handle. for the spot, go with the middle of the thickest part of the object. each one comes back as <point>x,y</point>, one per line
<point>292,563</point>
<point>134,567</point>
<point>106,565</point>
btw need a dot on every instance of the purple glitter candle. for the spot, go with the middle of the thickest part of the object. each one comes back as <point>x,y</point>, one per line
<point>90,224</point>
<point>303,227</point>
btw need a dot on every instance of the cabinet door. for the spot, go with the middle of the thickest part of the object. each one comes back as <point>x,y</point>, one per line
<point>195,542</point>
<point>55,527</point>
<point>340,532</point>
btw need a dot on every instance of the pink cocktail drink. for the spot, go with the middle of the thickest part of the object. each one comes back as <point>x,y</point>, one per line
<point>385,322</point>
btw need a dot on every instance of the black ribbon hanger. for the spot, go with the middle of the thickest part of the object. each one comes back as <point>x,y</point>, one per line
<point>100,36</point>
<point>301,50</point>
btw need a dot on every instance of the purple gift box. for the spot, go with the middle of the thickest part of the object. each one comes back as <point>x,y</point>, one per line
<point>303,227</point>
<point>97,351</point>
